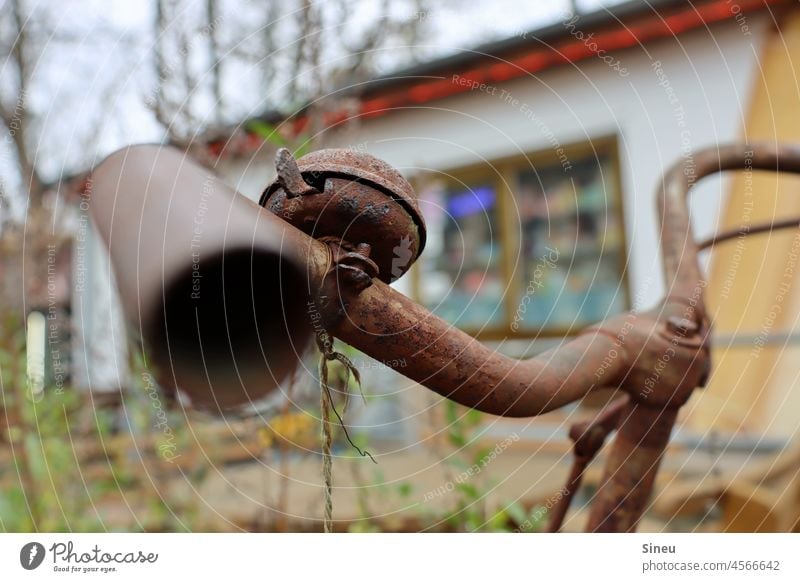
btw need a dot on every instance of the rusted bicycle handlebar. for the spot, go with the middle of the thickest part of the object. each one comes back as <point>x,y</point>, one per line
<point>645,430</point>
<point>144,201</point>
<point>679,249</point>
<point>228,295</point>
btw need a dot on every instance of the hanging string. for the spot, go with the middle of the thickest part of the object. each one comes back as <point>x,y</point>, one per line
<point>327,439</point>
<point>327,354</point>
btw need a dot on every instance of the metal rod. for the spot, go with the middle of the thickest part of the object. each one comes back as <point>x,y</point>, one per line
<point>588,438</point>
<point>265,286</point>
<point>744,231</point>
<point>645,430</point>
<point>631,468</point>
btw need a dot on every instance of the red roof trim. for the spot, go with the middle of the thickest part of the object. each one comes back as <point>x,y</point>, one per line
<point>622,35</point>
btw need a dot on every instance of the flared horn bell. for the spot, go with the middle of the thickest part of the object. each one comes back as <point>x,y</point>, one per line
<point>212,283</point>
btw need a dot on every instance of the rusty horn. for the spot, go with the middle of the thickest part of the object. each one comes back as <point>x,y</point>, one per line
<point>200,275</point>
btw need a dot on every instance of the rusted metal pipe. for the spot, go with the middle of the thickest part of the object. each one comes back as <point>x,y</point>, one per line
<point>588,438</point>
<point>641,439</point>
<point>201,275</point>
<point>631,467</point>
<point>389,326</point>
<point>679,249</point>
<point>264,277</point>
<point>744,231</point>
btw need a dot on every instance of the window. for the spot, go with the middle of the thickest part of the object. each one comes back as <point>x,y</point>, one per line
<point>526,246</point>
<point>464,281</point>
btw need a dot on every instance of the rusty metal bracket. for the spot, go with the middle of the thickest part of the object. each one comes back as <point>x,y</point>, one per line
<point>289,176</point>
<point>350,272</point>
<point>587,437</point>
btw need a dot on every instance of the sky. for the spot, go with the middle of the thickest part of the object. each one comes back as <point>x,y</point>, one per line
<point>102,44</point>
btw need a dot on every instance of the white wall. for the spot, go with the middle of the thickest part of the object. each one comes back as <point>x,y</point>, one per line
<point>710,73</point>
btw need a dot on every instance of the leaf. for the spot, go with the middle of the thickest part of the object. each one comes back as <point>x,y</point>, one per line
<point>456,439</point>
<point>469,490</point>
<point>267,131</point>
<point>482,457</point>
<point>473,417</point>
<point>450,411</point>
<point>499,522</point>
<point>363,526</point>
<point>473,521</point>
<point>14,510</point>
<point>305,146</point>
<point>515,512</point>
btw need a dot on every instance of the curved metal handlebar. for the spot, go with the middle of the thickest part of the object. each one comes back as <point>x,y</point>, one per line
<point>160,214</point>
<point>645,430</point>
<point>679,249</point>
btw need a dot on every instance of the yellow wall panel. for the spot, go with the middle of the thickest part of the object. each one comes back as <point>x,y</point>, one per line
<point>753,290</point>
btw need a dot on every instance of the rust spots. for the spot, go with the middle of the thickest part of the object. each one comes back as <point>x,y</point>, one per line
<point>352,196</point>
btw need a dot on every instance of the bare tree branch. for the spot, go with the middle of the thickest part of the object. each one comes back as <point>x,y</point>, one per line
<point>17,117</point>
<point>213,17</point>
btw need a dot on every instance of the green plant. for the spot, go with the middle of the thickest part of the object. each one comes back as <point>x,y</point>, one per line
<point>467,481</point>
<point>164,437</point>
<point>299,146</point>
<point>378,493</point>
<point>64,462</point>
<point>44,487</point>
<point>463,431</point>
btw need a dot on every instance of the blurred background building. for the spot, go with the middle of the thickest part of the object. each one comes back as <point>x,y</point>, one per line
<point>550,143</point>
<point>535,143</point>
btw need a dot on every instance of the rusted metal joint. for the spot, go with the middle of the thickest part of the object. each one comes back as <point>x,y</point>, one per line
<point>665,351</point>
<point>589,436</point>
<point>351,269</point>
<point>350,272</point>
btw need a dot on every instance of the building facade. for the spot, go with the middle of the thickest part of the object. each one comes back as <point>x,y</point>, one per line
<point>536,161</point>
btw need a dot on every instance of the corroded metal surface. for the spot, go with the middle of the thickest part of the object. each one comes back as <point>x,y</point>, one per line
<point>678,246</point>
<point>355,197</point>
<point>646,425</point>
<point>352,164</point>
<point>334,284</point>
<point>189,256</point>
<point>290,177</point>
<point>631,467</point>
<point>587,437</point>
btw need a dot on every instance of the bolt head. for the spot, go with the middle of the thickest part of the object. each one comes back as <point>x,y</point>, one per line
<point>682,326</point>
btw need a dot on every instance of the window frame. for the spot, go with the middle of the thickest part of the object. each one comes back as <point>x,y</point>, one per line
<point>502,174</point>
